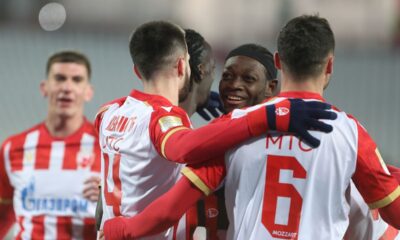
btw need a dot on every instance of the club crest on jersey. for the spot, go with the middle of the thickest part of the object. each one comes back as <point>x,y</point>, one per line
<point>212,213</point>
<point>169,122</point>
<point>281,111</point>
<point>28,158</point>
<point>85,159</point>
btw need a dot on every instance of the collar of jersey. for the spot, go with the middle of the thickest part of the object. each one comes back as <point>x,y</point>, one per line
<point>150,98</point>
<point>300,94</point>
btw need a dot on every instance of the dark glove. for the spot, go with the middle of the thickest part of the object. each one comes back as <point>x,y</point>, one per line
<point>212,105</point>
<point>298,116</point>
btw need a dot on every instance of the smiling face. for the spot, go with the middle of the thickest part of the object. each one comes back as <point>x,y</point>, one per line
<point>243,83</point>
<point>67,88</point>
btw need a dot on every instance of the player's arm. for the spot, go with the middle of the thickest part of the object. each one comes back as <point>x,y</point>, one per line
<point>7,216</point>
<point>198,180</point>
<point>158,216</point>
<point>377,186</point>
<point>185,145</point>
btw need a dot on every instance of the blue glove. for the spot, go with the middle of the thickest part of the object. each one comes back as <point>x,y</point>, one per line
<point>298,116</point>
<point>213,104</point>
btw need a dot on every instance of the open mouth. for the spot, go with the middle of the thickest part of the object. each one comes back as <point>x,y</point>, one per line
<point>64,101</point>
<point>234,100</point>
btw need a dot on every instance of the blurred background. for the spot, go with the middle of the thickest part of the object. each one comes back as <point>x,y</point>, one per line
<point>366,81</point>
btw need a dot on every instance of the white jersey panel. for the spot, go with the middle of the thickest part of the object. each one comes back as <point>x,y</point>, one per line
<point>144,175</point>
<point>314,180</point>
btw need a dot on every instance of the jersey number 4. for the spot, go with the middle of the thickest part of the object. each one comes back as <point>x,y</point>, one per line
<point>112,198</point>
<point>282,198</point>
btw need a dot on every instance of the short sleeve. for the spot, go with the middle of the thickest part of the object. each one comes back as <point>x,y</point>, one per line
<point>372,178</point>
<point>6,190</point>
<point>164,122</point>
<point>206,176</point>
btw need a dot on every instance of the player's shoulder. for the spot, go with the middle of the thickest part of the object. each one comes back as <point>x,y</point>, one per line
<point>106,106</point>
<point>19,137</point>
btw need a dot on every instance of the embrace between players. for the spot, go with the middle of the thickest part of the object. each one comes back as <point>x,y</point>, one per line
<point>284,170</point>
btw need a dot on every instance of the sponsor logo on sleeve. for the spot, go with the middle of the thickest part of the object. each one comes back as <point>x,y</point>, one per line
<point>169,122</point>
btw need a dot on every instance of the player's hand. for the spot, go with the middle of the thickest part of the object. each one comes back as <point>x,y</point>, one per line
<point>213,104</point>
<point>113,228</point>
<point>298,116</point>
<point>91,188</point>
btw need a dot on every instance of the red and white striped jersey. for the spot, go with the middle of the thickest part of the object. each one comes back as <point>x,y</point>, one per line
<point>367,224</point>
<point>44,176</point>
<point>134,173</point>
<point>277,187</point>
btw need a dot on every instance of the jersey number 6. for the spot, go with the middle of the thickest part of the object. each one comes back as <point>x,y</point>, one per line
<point>283,196</point>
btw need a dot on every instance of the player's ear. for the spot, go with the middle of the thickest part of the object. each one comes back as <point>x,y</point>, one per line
<point>89,92</point>
<point>329,65</point>
<point>272,86</point>
<point>181,67</point>
<point>43,88</point>
<point>277,61</point>
<point>136,70</point>
<point>201,70</point>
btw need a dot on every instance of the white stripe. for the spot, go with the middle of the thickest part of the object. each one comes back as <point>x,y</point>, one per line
<point>282,209</point>
<point>86,149</point>
<point>7,159</point>
<point>28,226</point>
<point>57,155</point>
<point>77,228</point>
<point>30,145</point>
<point>50,227</point>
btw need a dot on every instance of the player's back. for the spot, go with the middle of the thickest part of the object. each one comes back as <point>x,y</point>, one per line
<point>135,174</point>
<point>279,187</point>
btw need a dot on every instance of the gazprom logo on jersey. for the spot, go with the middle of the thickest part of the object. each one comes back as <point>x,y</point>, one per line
<point>32,203</point>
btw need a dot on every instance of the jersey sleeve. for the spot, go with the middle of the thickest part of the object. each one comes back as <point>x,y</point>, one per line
<point>6,190</point>
<point>372,178</point>
<point>206,176</point>
<point>165,122</point>
<point>185,145</point>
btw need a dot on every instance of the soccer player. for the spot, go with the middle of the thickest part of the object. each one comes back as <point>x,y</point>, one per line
<point>202,66</point>
<point>49,173</point>
<point>276,186</point>
<point>249,76</point>
<point>138,134</point>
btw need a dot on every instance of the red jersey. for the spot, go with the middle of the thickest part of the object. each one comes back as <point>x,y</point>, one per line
<point>44,177</point>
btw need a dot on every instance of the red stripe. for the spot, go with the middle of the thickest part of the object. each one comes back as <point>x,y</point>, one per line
<point>64,227</point>
<point>43,149</point>
<point>38,227</point>
<point>96,167</point>
<point>389,234</point>
<point>72,147</point>
<point>282,118</point>
<point>89,229</point>
<point>21,228</point>
<point>17,153</point>
<point>191,222</point>
<point>211,210</point>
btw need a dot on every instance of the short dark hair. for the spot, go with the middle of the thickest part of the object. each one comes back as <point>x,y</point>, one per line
<point>258,53</point>
<point>69,57</point>
<point>303,45</point>
<point>152,45</point>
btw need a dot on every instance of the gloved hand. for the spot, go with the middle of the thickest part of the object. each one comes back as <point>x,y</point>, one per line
<point>212,105</point>
<point>298,116</point>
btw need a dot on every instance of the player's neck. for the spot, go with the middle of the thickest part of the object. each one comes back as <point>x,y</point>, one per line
<point>314,85</point>
<point>60,126</point>
<point>166,87</point>
<point>190,103</point>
